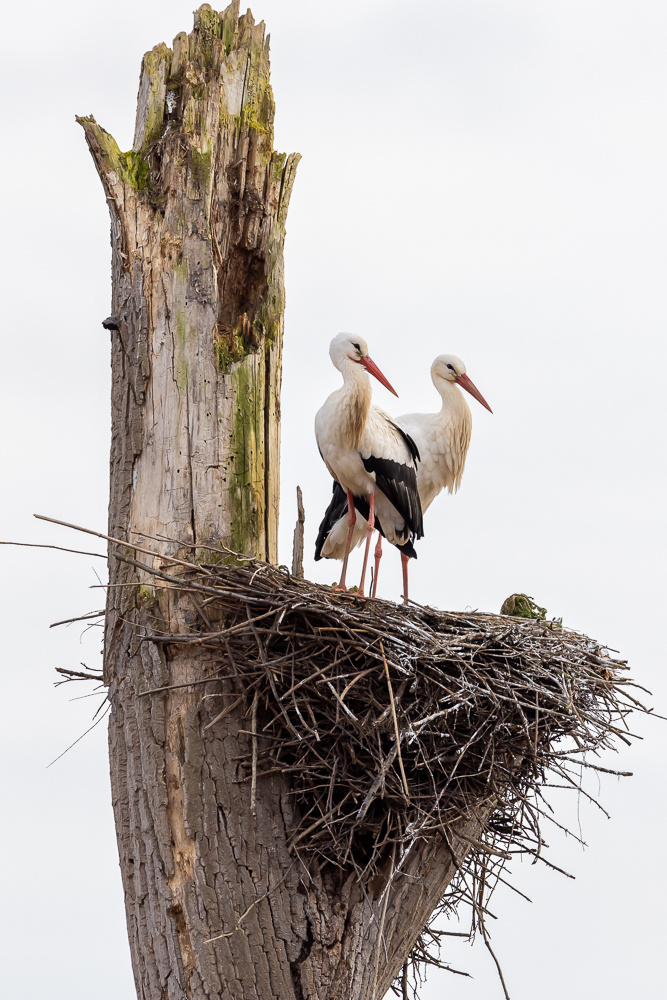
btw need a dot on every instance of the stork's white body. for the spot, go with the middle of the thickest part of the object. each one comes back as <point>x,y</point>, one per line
<point>349,429</point>
<point>366,452</point>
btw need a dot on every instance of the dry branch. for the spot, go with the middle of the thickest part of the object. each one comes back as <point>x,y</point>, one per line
<point>297,546</point>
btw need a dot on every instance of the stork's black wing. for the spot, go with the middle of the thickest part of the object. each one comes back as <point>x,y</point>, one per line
<point>398,482</point>
<point>336,509</point>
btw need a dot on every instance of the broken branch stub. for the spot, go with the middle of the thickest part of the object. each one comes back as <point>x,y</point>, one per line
<point>297,544</point>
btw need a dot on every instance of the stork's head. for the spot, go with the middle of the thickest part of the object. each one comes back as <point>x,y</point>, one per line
<point>348,347</point>
<point>449,368</point>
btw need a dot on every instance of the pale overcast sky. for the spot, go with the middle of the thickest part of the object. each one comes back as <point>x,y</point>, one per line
<point>481,178</point>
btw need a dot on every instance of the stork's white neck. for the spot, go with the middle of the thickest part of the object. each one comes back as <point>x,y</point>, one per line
<point>453,400</point>
<point>354,400</point>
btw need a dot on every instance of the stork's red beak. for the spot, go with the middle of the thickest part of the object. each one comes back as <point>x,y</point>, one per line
<point>466,384</point>
<point>373,369</point>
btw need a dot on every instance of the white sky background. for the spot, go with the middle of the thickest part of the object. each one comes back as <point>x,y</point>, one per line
<point>481,178</point>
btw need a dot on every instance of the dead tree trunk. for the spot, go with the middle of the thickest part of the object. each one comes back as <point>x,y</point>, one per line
<point>198,211</point>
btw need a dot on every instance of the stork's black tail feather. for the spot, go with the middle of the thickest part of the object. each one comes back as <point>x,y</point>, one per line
<point>408,549</point>
<point>338,508</point>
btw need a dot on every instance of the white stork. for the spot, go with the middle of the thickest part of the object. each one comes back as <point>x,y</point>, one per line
<point>372,460</point>
<point>442,441</point>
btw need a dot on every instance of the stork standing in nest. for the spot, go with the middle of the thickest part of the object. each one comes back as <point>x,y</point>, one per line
<point>372,460</point>
<point>442,441</point>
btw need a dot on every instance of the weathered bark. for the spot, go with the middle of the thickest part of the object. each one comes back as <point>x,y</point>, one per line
<point>198,213</point>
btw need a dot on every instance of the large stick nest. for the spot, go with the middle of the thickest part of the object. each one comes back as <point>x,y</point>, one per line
<point>396,723</point>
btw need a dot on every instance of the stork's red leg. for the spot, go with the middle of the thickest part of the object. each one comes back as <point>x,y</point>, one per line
<point>378,556</point>
<point>404,562</point>
<point>351,521</point>
<point>369,531</point>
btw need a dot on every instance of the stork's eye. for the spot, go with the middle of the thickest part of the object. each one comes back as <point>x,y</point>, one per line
<point>451,368</point>
<point>356,346</point>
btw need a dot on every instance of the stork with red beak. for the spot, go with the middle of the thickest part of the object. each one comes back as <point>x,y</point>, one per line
<point>441,440</point>
<point>372,460</point>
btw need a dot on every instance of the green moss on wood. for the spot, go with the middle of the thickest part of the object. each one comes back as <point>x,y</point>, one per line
<point>131,167</point>
<point>246,495</point>
<point>223,355</point>
<point>230,348</point>
<point>134,170</point>
<point>228,21</point>
<point>180,329</point>
<point>146,596</point>
<point>249,336</point>
<point>201,167</point>
<point>209,28</point>
<point>523,606</point>
<point>155,69</point>
<point>251,115</point>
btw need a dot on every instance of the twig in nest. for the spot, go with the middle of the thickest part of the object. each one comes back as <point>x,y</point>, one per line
<point>81,618</point>
<point>71,675</point>
<point>398,735</point>
<point>340,701</point>
<point>226,711</point>
<point>96,723</point>
<point>493,956</point>
<point>119,541</point>
<point>59,548</point>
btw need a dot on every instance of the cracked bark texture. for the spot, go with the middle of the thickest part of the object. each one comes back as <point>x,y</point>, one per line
<point>198,210</point>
